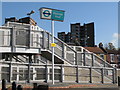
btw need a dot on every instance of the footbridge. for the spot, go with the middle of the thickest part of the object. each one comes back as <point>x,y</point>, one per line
<point>25,56</point>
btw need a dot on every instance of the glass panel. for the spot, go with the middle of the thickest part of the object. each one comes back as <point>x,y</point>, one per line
<point>70,74</point>
<point>96,76</point>
<point>14,73</point>
<point>84,75</point>
<point>5,73</point>
<point>108,73</point>
<point>5,38</point>
<point>40,73</point>
<point>57,75</point>
<point>22,37</point>
<point>23,74</point>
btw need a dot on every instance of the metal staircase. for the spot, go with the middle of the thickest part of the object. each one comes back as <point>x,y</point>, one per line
<point>23,50</point>
<point>75,55</point>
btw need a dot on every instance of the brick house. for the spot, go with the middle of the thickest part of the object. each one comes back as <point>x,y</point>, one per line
<point>97,51</point>
<point>113,57</point>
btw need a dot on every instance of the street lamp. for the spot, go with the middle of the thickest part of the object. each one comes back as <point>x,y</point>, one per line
<point>85,40</point>
<point>30,13</point>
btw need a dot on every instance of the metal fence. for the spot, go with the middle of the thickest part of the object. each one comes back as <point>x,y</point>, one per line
<point>93,67</point>
<point>63,73</point>
<point>15,37</point>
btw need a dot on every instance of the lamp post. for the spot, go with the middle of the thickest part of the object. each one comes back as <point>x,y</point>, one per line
<point>85,40</point>
<point>29,14</point>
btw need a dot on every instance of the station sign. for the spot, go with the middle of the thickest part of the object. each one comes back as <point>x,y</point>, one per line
<point>52,14</point>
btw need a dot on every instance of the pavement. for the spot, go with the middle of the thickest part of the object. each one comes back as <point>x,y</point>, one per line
<point>70,86</point>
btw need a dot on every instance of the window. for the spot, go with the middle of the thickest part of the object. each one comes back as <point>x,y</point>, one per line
<point>102,56</point>
<point>112,57</point>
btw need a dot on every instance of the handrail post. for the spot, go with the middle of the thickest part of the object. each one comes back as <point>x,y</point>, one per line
<point>92,59</point>
<point>62,74</point>
<point>43,41</point>
<point>46,73</point>
<point>48,41</point>
<point>10,68</point>
<point>113,75</point>
<point>84,59</point>
<point>29,70</point>
<point>12,38</point>
<point>76,59</point>
<point>63,51</point>
<point>102,75</point>
<point>90,75</point>
<point>77,74</point>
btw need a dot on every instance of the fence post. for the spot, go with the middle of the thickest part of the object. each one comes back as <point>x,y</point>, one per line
<point>62,73</point>
<point>14,86</point>
<point>102,75</point>
<point>118,80</point>
<point>46,73</point>
<point>113,73</point>
<point>90,74</point>
<point>77,74</point>
<point>34,86</point>
<point>19,87</point>
<point>3,84</point>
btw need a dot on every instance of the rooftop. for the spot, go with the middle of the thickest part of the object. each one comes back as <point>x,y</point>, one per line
<point>96,50</point>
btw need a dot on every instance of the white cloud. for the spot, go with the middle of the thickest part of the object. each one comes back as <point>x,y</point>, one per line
<point>116,40</point>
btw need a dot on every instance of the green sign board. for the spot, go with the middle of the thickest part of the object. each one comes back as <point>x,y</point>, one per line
<point>52,14</point>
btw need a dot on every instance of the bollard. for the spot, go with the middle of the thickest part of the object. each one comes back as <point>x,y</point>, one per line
<point>42,87</point>
<point>34,86</point>
<point>14,86</point>
<point>4,84</point>
<point>118,81</point>
<point>19,87</point>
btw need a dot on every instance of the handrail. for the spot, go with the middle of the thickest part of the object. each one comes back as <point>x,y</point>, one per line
<point>66,45</point>
<point>61,41</point>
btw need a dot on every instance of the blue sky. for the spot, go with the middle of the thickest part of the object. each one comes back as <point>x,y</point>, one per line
<point>103,14</point>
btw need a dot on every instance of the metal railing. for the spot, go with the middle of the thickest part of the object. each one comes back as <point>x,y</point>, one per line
<point>63,73</point>
<point>42,39</point>
<point>15,37</point>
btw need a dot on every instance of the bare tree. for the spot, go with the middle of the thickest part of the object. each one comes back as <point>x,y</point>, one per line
<point>109,46</point>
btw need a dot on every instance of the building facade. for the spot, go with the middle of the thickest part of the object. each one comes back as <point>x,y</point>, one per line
<point>79,35</point>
